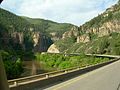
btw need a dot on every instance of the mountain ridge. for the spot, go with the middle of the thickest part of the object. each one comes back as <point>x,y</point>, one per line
<point>95,36</point>
<point>22,34</point>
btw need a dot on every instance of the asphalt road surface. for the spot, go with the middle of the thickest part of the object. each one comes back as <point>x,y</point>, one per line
<point>104,78</point>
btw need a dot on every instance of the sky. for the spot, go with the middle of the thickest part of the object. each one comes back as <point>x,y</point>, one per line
<point>63,11</point>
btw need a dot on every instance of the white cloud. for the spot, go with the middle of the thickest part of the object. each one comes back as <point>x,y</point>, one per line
<point>72,11</point>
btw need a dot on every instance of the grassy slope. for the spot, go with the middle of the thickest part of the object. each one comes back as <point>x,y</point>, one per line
<point>104,45</point>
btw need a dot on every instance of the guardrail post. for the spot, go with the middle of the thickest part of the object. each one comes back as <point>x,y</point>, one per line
<point>66,71</point>
<point>15,83</point>
<point>47,76</point>
<point>78,68</point>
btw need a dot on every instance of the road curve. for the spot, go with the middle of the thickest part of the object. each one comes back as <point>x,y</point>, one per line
<point>105,78</point>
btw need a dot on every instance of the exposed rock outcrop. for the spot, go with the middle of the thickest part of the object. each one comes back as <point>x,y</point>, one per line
<point>72,32</point>
<point>106,29</point>
<point>36,38</point>
<point>41,42</point>
<point>83,38</point>
<point>55,36</point>
<point>53,49</point>
<point>18,37</point>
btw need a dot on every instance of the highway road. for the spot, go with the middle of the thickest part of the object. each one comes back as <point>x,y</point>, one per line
<point>104,78</point>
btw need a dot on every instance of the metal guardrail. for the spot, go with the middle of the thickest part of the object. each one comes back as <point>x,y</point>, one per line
<point>30,79</point>
<point>78,54</point>
<point>16,82</point>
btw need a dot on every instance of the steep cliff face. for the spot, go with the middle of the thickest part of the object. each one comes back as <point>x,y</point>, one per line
<point>18,37</point>
<point>36,40</point>
<point>71,33</point>
<point>42,42</point>
<point>55,36</point>
<point>19,40</point>
<point>105,23</point>
<point>106,29</point>
<point>83,38</point>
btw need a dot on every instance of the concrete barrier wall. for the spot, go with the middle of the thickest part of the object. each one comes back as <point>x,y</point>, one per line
<point>61,77</point>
